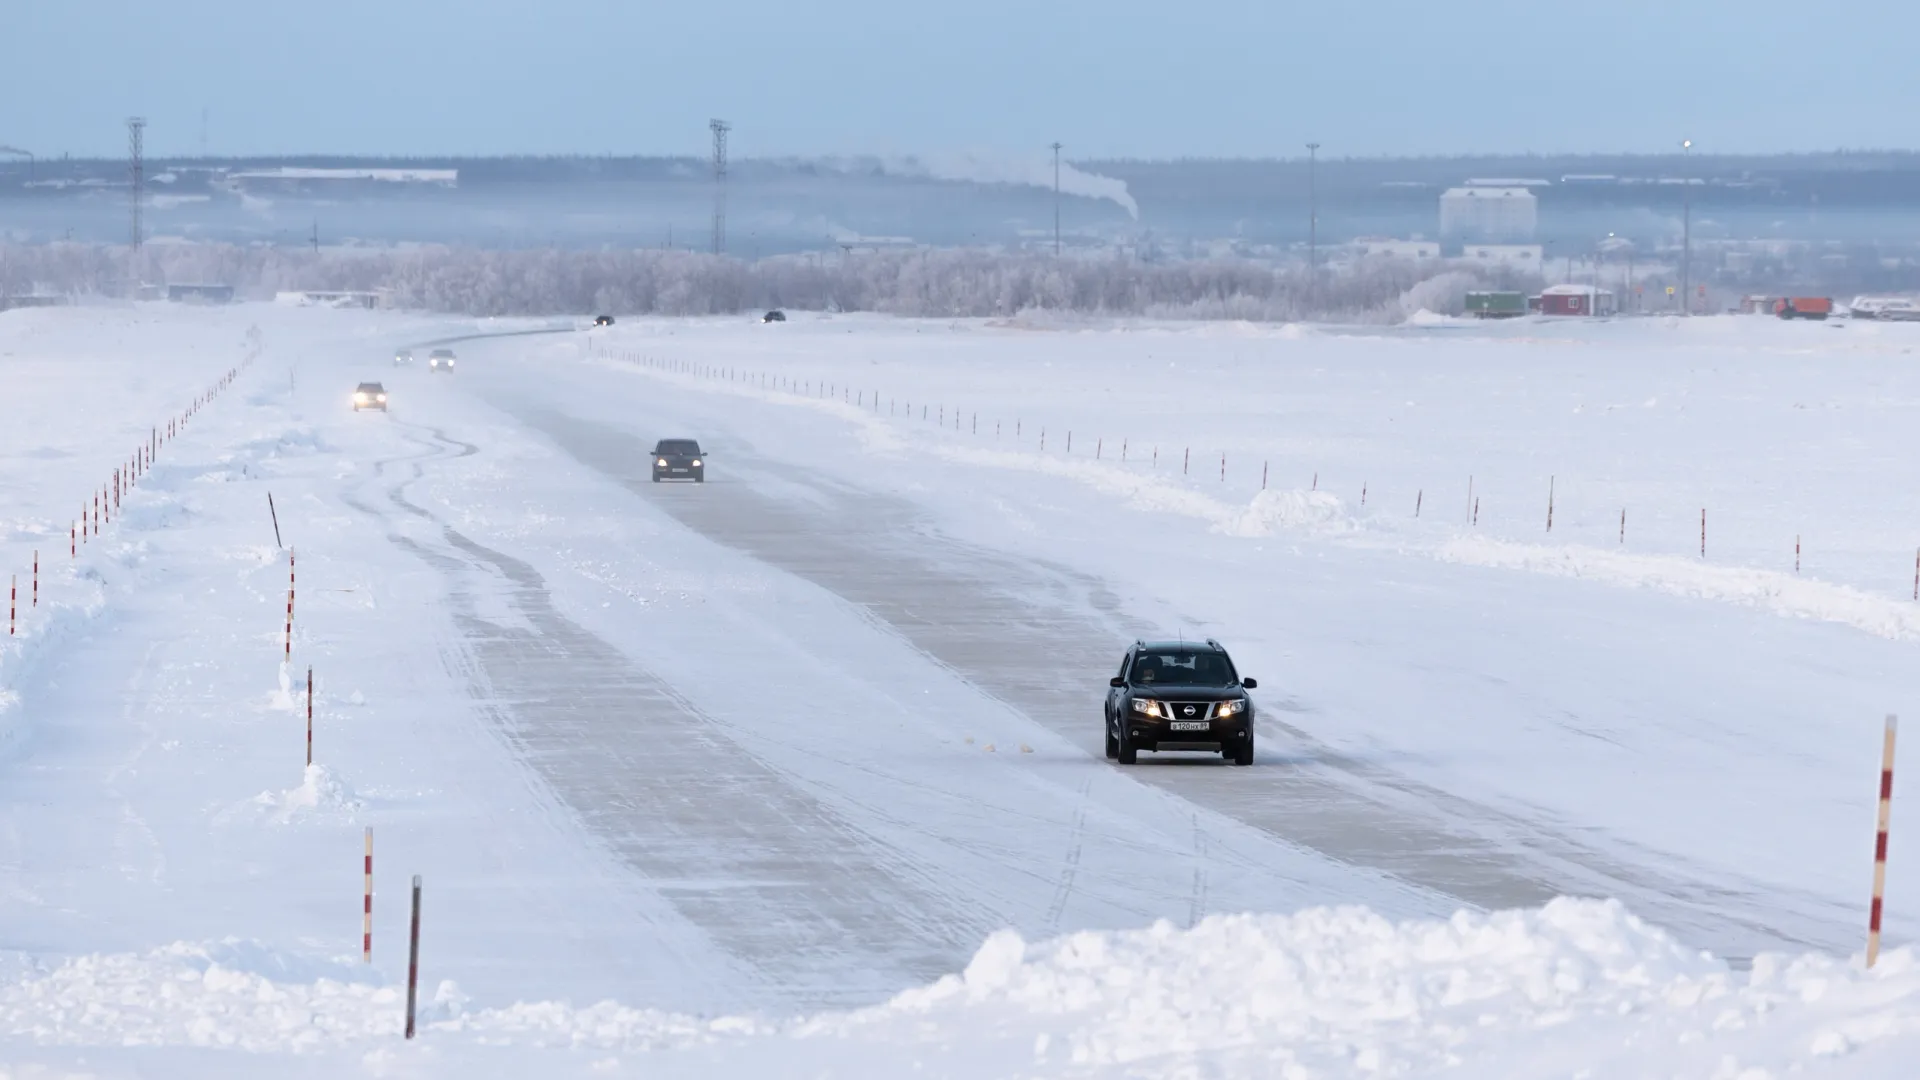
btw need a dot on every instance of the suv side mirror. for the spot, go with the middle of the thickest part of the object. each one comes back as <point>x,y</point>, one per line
<point>1116,681</point>
<point>1251,684</point>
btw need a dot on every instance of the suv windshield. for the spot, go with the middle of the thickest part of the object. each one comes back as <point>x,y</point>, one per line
<point>1200,668</point>
<point>677,447</point>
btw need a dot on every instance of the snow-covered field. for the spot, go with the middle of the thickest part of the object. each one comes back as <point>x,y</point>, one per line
<point>797,772</point>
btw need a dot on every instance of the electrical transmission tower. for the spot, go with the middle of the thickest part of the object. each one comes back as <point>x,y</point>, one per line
<point>136,172</point>
<point>720,129</point>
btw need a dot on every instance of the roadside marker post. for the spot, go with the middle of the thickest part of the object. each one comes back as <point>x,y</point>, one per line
<point>1703,532</point>
<point>309,717</point>
<point>1550,503</point>
<point>1880,842</point>
<point>366,907</point>
<point>413,957</point>
<point>36,577</point>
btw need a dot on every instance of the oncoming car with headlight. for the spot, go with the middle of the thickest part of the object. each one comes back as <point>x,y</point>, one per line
<point>440,360</point>
<point>1179,696</point>
<point>370,395</point>
<point>679,459</point>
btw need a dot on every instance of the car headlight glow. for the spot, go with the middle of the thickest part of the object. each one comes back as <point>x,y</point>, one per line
<point>696,463</point>
<point>662,463</point>
<point>1151,708</point>
<point>1229,708</point>
<point>359,397</point>
<point>383,397</point>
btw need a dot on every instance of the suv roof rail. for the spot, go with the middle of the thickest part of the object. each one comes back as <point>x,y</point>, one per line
<point>1215,644</point>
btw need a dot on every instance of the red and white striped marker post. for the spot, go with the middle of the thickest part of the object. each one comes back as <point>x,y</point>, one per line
<point>309,717</point>
<point>366,908</point>
<point>73,540</point>
<point>289,646</point>
<point>1703,532</point>
<point>13,599</point>
<point>36,577</point>
<point>413,956</point>
<point>1880,843</point>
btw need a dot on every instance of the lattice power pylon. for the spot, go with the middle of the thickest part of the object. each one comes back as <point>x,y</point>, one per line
<point>720,129</point>
<point>136,174</point>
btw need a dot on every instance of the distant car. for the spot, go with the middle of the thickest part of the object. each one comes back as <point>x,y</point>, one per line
<point>370,395</point>
<point>679,459</point>
<point>603,320</point>
<point>1179,696</point>
<point>440,360</point>
<point>776,315</point>
<point>403,358</point>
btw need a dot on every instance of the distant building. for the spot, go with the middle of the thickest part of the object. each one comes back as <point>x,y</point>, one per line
<point>1576,300</point>
<point>331,298</point>
<point>1514,256</point>
<point>1386,248</point>
<point>1489,215</point>
<point>200,294</point>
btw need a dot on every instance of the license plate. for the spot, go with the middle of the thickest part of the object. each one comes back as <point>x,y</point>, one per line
<point>1190,725</point>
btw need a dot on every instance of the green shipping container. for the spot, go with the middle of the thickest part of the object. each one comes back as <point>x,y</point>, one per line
<point>1496,305</point>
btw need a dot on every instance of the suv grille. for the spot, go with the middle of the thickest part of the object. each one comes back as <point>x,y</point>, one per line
<point>1190,710</point>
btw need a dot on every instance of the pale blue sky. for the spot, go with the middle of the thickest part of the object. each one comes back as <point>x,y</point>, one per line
<point>1186,78</point>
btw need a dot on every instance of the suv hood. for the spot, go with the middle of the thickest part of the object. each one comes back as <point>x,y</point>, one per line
<point>1163,692</point>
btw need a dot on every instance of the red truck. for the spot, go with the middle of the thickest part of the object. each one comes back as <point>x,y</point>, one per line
<point>1803,307</point>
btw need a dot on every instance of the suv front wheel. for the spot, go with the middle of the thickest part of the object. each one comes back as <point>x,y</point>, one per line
<point>1242,754</point>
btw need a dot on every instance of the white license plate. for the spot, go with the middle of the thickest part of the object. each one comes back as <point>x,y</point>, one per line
<point>1190,725</point>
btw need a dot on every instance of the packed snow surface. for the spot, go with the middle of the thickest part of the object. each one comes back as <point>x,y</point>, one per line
<point>797,772</point>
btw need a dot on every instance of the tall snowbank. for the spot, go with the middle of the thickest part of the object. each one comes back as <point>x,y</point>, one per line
<point>1578,988</point>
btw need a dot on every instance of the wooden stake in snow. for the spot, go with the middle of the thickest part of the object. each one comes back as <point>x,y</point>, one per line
<point>1703,532</point>
<point>1796,553</point>
<point>1186,459</point>
<point>275,514</point>
<point>1263,476</point>
<point>36,577</point>
<point>1550,504</point>
<point>1418,498</point>
<point>1880,842</point>
<point>13,599</point>
<point>309,717</point>
<point>413,956</point>
<point>1623,525</point>
<point>1476,510</point>
<point>1363,493</point>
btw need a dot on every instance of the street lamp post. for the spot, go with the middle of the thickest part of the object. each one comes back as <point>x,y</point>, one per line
<point>1056,200</point>
<point>1686,226</point>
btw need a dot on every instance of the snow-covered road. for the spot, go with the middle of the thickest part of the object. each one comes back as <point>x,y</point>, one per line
<point>806,735</point>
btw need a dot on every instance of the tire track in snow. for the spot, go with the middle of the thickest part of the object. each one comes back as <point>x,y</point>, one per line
<point>1076,843</point>
<point>817,911</point>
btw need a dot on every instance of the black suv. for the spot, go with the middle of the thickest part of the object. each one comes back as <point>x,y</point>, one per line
<point>679,459</point>
<point>1179,695</point>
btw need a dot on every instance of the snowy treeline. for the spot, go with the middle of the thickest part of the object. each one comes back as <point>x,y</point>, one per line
<point>953,283</point>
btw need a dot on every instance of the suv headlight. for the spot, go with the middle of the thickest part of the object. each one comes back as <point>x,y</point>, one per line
<point>1229,708</point>
<point>696,463</point>
<point>662,462</point>
<point>1142,705</point>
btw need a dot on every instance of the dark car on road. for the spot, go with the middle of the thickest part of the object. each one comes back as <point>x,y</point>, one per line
<point>679,459</point>
<point>370,395</point>
<point>1179,695</point>
<point>776,315</point>
<point>440,360</point>
<point>603,320</point>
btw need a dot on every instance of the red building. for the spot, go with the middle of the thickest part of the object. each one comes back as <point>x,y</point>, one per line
<point>1576,300</point>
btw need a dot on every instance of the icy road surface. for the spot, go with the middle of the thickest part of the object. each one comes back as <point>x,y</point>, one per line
<point>806,735</point>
